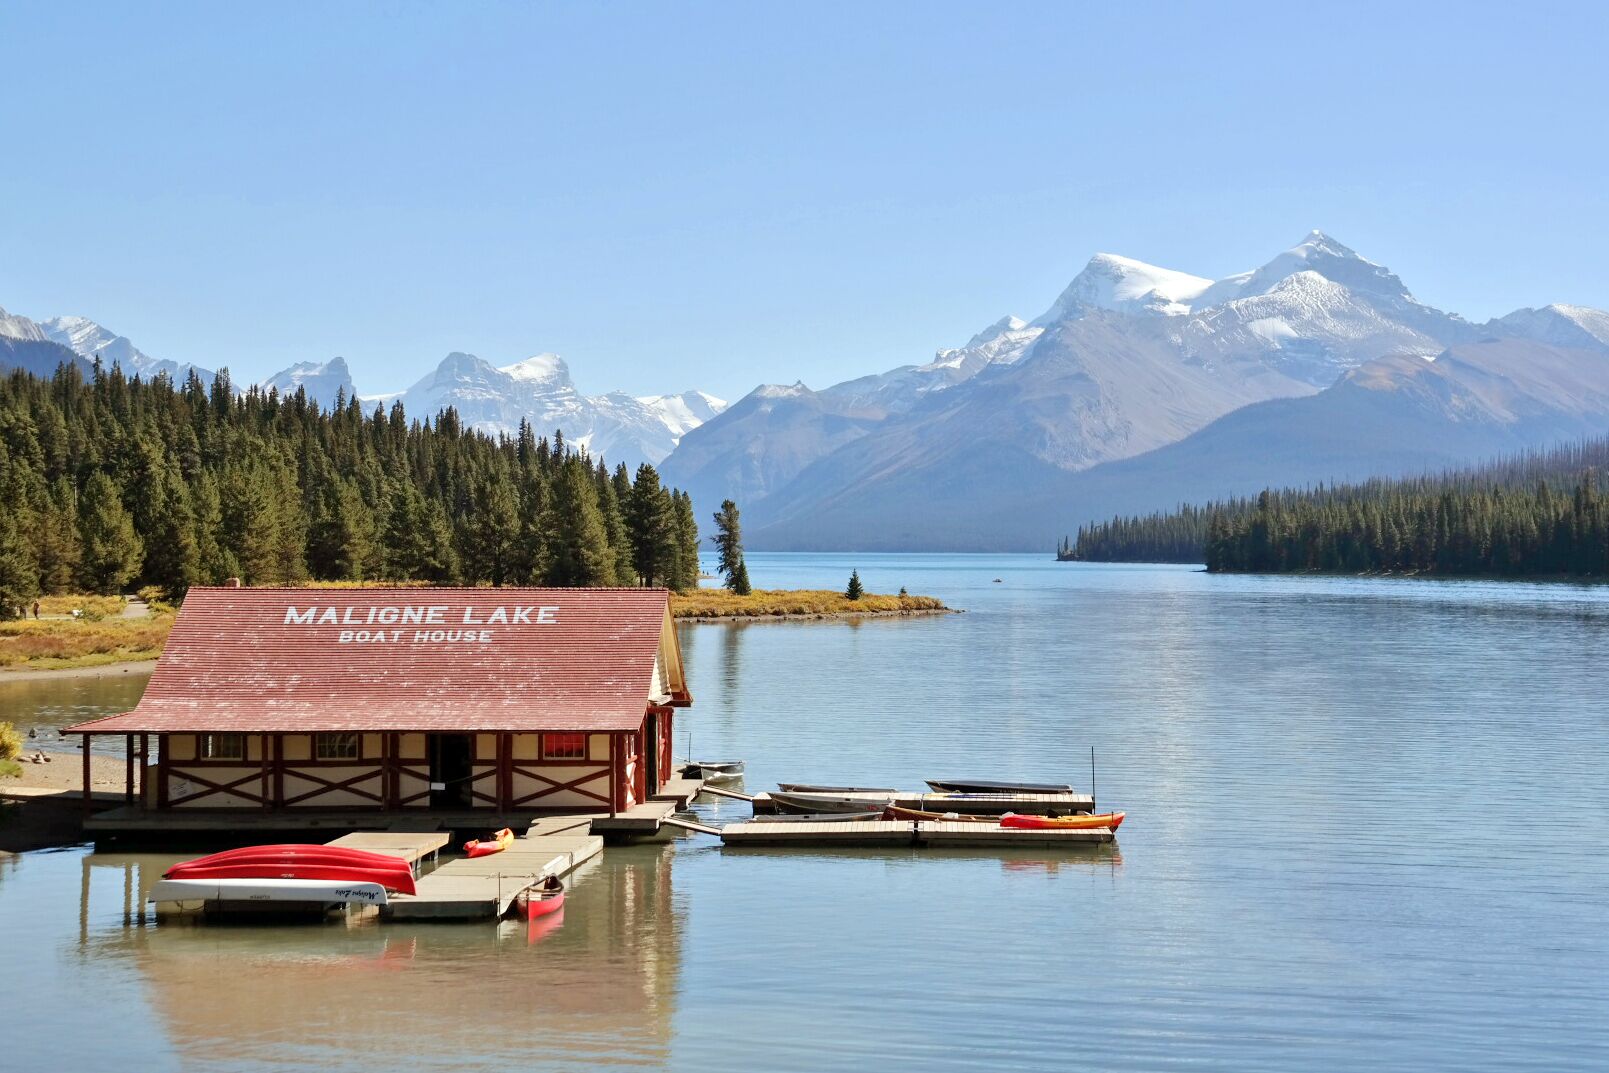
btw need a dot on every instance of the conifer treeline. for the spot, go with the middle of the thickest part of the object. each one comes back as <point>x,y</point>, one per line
<point>118,482</point>
<point>1175,537</point>
<point>1542,513</point>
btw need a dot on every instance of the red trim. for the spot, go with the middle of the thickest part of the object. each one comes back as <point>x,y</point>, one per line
<point>326,786</point>
<point>218,788</point>
<point>555,787</point>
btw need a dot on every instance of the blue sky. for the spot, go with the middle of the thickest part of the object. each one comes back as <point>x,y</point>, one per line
<point>689,195</point>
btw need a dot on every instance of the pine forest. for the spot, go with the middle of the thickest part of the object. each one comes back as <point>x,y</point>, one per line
<point>113,483</point>
<point>1542,514</point>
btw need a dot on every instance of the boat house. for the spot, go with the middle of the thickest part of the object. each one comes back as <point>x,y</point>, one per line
<point>505,700</point>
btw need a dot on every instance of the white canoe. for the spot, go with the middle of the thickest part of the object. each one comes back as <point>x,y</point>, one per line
<point>257,891</point>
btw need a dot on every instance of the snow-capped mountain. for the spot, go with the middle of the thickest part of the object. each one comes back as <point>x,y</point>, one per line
<point>324,381</point>
<point>1130,357</point>
<point>93,342</point>
<point>617,426</point>
<point>1124,285</point>
<point>1560,325</point>
<point>20,328</point>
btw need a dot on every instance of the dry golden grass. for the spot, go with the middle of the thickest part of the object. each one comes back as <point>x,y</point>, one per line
<point>777,603</point>
<point>52,644</point>
<point>93,605</point>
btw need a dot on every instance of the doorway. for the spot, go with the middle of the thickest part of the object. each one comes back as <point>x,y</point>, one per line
<point>651,753</point>
<point>451,766</point>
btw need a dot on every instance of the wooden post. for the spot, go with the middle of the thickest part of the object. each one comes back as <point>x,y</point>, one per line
<point>161,771</point>
<point>267,767</point>
<point>505,774</point>
<point>279,769</point>
<point>388,770</point>
<point>128,769</point>
<point>614,776</point>
<point>87,802</point>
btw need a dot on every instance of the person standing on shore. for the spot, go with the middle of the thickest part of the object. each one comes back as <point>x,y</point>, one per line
<point>36,610</point>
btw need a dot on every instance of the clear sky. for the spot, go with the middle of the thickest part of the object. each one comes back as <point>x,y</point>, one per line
<point>687,195</point>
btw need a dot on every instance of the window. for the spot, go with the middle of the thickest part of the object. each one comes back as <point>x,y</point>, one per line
<point>341,745</point>
<point>564,746</point>
<point>222,747</point>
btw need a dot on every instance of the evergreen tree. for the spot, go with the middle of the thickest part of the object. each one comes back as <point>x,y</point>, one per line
<point>651,521</point>
<point>682,574</point>
<point>111,549</point>
<point>491,529</point>
<point>577,548</point>
<point>18,573</point>
<point>855,590</point>
<point>729,547</point>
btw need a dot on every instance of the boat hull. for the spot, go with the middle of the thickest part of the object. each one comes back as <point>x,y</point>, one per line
<point>895,812</point>
<point>814,788</point>
<point>1082,822</point>
<point>537,902</point>
<point>823,817</point>
<point>714,769</point>
<point>991,786</point>
<point>399,878</point>
<point>811,802</point>
<point>287,893</point>
<point>311,853</point>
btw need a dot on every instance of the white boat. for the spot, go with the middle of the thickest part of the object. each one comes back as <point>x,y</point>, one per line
<point>288,892</point>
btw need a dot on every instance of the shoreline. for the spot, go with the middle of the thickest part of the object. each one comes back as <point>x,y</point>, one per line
<point>98,670</point>
<point>816,616</point>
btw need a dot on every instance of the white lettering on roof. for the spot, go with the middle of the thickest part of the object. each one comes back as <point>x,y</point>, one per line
<point>424,616</point>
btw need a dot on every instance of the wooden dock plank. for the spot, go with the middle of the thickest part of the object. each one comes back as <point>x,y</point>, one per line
<point>680,791</point>
<point>412,847</point>
<point>645,818</point>
<point>759,832</point>
<point>481,888</point>
<point>968,804</point>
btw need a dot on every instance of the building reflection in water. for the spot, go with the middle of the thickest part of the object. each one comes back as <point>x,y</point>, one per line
<point>596,983</point>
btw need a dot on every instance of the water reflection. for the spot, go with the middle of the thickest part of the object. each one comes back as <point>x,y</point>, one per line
<point>596,982</point>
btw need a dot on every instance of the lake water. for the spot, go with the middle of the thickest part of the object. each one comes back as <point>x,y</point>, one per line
<point>1367,829</point>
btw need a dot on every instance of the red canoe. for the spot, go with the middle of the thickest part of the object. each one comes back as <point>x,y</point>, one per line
<point>293,851</point>
<point>398,878</point>
<point>540,901</point>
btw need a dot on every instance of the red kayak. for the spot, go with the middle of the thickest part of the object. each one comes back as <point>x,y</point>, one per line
<point>485,847</point>
<point>398,878</point>
<point>1078,822</point>
<point>541,900</point>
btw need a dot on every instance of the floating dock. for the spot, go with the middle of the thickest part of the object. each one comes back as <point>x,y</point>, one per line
<point>964,804</point>
<point>484,888</point>
<point>918,833</point>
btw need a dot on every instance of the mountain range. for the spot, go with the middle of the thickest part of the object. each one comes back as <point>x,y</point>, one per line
<point>1141,387</point>
<point>616,426</point>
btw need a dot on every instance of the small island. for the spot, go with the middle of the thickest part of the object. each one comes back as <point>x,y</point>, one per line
<point>722,605</point>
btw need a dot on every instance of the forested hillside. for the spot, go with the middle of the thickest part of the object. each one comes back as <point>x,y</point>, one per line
<point>1175,537</point>
<point>111,483</point>
<point>1539,514</point>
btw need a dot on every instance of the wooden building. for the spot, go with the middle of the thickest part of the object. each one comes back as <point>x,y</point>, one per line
<point>502,700</point>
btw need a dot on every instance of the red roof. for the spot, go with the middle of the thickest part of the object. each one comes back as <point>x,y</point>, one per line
<point>299,660</point>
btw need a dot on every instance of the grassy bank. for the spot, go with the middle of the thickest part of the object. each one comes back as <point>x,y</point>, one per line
<point>57,644</point>
<point>64,644</point>
<point>796,603</point>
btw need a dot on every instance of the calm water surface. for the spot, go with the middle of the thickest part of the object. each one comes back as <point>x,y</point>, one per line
<point>1367,829</point>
